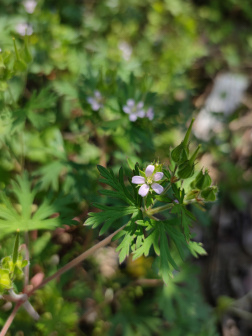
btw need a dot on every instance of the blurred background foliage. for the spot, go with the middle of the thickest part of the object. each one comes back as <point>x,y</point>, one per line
<point>55,128</point>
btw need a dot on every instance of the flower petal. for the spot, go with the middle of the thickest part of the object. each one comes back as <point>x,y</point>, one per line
<point>141,113</point>
<point>126,109</point>
<point>90,100</point>
<point>149,170</point>
<point>96,106</point>
<point>150,113</point>
<point>157,188</point>
<point>140,105</point>
<point>144,189</point>
<point>138,179</point>
<point>131,102</point>
<point>132,117</point>
<point>97,94</point>
<point>158,176</point>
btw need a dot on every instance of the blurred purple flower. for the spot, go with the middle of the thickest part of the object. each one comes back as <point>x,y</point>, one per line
<point>134,110</point>
<point>96,101</point>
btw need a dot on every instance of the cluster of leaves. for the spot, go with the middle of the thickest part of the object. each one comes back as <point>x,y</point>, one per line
<point>25,215</point>
<point>49,129</point>
<point>143,233</point>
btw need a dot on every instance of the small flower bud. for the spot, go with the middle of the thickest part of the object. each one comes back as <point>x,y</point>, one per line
<point>5,281</point>
<point>180,153</point>
<point>186,170</point>
<point>202,180</point>
<point>209,194</point>
<point>192,194</point>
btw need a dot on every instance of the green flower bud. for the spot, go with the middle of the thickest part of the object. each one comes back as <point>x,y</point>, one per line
<point>7,263</point>
<point>209,194</point>
<point>186,138</point>
<point>192,195</point>
<point>181,152</point>
<point>202,180</point>
<point>192,184</point>
<point>186,169</point>
<point>5,281</point>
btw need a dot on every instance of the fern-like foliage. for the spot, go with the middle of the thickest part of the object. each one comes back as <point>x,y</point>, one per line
<point>20,211</point>
<point>144,235</point>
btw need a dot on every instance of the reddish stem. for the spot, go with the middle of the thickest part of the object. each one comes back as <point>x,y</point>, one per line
<point>62,270</point>
<point>10,318</point>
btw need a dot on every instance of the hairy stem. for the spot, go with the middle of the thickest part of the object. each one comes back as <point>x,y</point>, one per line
<point>10,319</point>
<point>76,261</point>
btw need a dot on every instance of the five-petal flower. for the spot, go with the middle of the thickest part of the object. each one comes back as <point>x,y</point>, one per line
<point>148,182</point>
<point>96,102</point>
<point>134,110</point>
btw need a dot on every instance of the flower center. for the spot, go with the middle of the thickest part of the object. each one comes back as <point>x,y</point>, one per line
<point>133,110</point>
<point>149,180</point>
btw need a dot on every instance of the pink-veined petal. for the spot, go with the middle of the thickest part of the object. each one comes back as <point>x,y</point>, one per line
<point>126,109</point>
<point>157,188</point>
<point>138,179</point>
<point>131,102</point>
<point>149,170</point>
<point>158,176</point>
<point>132,117</point>
<point>144,189</point>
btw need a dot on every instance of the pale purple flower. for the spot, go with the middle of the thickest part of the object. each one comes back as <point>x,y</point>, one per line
<point>150,113</point>
<point>24,28</point>
<point>148,182</point>
<point>30,5</point>
<point>134,110</point>
<point>96,101</point>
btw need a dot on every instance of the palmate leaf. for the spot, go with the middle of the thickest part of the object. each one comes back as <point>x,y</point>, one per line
<point>118,184</point>
<point>161,235</point>
<point>108,216</point>
<point>50,174</point>
<point>111,214</point>
<point>186,218</point>
<point>24,215</point>
<point>131,236</point>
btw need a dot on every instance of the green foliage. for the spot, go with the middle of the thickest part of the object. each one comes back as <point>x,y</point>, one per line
<point>144,231</point>
<point>56,316</point>
<point>25,215</point>
<point>11,268</point>
<point>161,53</point>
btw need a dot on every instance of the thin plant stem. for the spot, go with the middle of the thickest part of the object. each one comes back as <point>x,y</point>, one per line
<point>159,209</point>
<point>61,271</point>
<point>76,261</point>
<point>10,318</point>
